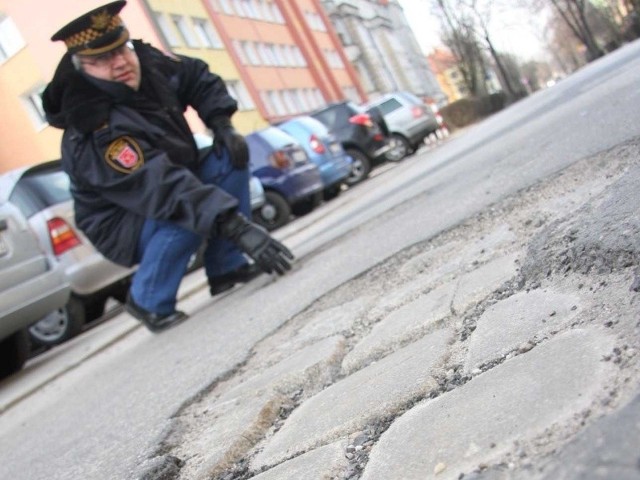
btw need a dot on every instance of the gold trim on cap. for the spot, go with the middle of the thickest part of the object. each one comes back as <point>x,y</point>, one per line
<point>92,33</point>
<point>122,39</point>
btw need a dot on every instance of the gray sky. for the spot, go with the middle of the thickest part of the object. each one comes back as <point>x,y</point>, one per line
<point>514,31</point>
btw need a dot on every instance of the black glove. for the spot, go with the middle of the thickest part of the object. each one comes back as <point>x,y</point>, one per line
<point>225,135</point>
<point>268,253</point>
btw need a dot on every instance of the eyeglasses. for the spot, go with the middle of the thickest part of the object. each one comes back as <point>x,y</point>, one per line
<point>104,59</point>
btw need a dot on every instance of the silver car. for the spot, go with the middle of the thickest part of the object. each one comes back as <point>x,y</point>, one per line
<point>408,119</point>
<point>32,287</point>
<point>42,195</point>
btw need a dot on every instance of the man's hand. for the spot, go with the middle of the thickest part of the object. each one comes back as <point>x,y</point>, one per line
<point>226,136</point>
<point>268,253</point>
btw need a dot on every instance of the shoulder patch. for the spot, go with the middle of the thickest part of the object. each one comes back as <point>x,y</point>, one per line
<point>124,155</point>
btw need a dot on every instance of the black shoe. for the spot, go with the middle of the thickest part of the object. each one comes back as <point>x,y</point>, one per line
<point>225,282</point>
<point>153,321</point>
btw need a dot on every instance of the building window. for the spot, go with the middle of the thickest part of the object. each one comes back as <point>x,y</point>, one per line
<point>10,39</point>
<point>266,101</point>
<point>290,59</point>
<point>238,91</point>
<point>166,29</point>
<point>265,11</point>
<point>239,8</point>
<point>276,101</point>
<point>237,46</point>
<point>249,9</point>
<point>226,7</point>
<point>318,97</point>
<point>182,24</point>
<point>264,55</point>
<point>289,104</point>
<point>315,22</point>
<point>281,61</point>
<point>333,58</point>
<point>275,13</point>
<point>206,33</point>
<point>250,53</point>
<point>351,93</point>
<point>343,33</point>
<point>299,58</point>
<point>33,103</point>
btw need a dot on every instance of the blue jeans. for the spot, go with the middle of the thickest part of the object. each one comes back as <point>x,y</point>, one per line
<point>164,249</point>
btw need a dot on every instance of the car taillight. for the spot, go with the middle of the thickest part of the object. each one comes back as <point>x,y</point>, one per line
<point>378,137</point>
<point>316,145</point>
<point>417,111</point>
<point>279,159</point>
<point>361,119</point>
<point>62,236</point>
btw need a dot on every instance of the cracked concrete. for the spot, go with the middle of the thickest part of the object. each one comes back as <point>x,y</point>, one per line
<point>479,353</point>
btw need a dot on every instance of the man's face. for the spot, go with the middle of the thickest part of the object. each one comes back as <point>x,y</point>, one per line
<point>118,65</point>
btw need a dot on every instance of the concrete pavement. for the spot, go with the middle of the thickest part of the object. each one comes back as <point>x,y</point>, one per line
<point>506,347</point>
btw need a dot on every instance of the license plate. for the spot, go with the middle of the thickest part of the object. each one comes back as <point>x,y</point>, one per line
<point>335,148</point>
<point>4,249</point>
<point>299,156</point>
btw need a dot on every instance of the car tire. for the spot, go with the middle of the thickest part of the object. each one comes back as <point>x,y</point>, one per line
<point>120,290</point>
<point>360,167</point>
<point>307,205</point>
<point>331,192</point>
<point>275,212</point>
<point>401,148</point>
<point>14,352</point>
<point>61,324</point>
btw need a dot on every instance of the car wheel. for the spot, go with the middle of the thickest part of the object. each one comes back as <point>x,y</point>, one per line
<point>360,167</point>
<point>275,212</point>
<point>400,148</point>
<point>61,324</point>
<point>120,290</point>
<point>307,205</point>
<point>331,192</point>
<point>14,352</point>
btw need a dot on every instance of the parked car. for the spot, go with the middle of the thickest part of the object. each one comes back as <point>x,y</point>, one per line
<point>323,150</point>
<point>32,286</point>
<point>408,119</point>
<point>361,137</point>
<point>291,182</point>
<point>41,193</point>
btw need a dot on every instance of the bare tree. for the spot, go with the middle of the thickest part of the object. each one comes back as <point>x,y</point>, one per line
<point>460,36</point>
<point>482,13</point>
<point>574,13</point>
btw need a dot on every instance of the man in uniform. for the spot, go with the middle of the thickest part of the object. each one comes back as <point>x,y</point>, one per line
<point>142,195</point>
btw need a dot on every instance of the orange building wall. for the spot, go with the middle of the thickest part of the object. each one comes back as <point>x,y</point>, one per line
<point>34,66</point>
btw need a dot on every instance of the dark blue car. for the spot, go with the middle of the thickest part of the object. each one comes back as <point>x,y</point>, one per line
<point>292,183</point>
<point>323,149</point>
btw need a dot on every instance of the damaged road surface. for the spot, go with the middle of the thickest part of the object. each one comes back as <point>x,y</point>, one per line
<point>471,313</point>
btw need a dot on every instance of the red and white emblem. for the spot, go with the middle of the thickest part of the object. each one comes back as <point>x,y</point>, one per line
<point>127,157</point>
<point>124,155</point>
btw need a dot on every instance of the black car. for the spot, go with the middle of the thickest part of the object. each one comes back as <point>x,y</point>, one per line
<point>363,136</point>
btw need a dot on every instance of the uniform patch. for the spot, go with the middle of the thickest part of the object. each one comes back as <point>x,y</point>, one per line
<point>124,155</point>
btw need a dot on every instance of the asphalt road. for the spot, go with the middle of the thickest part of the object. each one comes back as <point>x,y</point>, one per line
<point>102,418</point>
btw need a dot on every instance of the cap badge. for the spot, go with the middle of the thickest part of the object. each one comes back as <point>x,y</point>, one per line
<point>101,20</point>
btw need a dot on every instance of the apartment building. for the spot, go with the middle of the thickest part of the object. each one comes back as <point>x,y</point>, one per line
<point>287,54</point>
<point>381,46</point>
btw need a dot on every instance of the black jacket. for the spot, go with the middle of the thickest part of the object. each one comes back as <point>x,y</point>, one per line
<point>131,156</point>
